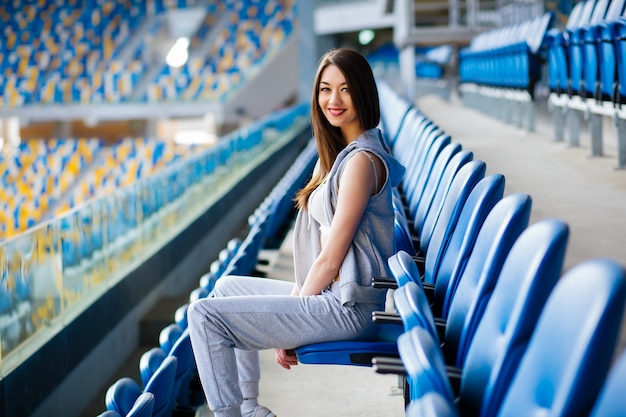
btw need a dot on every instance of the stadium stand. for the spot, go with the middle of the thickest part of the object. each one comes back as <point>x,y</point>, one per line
<point>482,321</point>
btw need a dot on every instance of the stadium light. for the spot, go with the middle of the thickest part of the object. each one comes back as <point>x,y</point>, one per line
<point>366,36</point>
<point>177,56</point>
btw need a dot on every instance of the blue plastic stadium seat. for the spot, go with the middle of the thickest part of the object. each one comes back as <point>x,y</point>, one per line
<point>465,304</point>
<point>528,275</point>
<point>570,351</point>
<point>610,400</point>
<point>158,372</point>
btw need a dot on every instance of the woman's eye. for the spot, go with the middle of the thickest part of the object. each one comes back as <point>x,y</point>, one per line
<point>324,89</point>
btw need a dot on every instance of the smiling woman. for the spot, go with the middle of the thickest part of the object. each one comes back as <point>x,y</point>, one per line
<point>343,236</point>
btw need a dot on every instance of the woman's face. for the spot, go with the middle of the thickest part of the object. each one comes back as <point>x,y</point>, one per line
<point>334,99</point>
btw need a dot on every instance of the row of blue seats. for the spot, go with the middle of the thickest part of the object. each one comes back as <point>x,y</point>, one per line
<point>484,322</point>
<point>169,382</point>
<point>587,73</point>
<point>507,57</point>
<point>500,69</point>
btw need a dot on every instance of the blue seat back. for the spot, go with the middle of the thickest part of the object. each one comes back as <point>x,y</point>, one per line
<point>403,268</point>
<point>570,351</point>
<point>431,404</point>
<point>502,227</point>
<point>459,180</point>
<point>394,112</point>
<point>169,336</point>
<point>412,305</point>
<point>610,400</point>
<point>528,275</point>
<point>161,385</point>
<point>150,362</point>
<point>480,201</point>
<point>143,407</point>
<point>423,361</point>
<point>121,396</point>
<point>402,234</point>
<point>185,366</point>
<point>419,193</point>
<point>606,55</point>
<point>620,56</point>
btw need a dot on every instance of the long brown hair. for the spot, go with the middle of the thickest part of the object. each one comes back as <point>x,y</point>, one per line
<point>364,94</point>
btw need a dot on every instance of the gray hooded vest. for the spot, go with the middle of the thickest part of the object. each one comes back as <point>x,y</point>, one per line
<point>373,242</point>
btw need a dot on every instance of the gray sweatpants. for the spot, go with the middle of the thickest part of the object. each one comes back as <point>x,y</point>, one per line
<point>250,314</point>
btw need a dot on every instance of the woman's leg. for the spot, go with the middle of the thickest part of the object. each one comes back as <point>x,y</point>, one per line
<point>234,320</point>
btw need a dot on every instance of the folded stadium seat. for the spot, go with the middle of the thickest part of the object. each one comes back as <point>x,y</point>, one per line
<point>419,200</point>
<point>570,351</point>
<point>122,395</point>
<point>423,364</point>
<point>468,294</point>
<point>461,218</point>
<point>558,49</point>
<point>596,55</point>
<point>414,127</point>
<point>502,227</point>
<point>606,48</point>
<point>527,277</point>
<point>530,270</point>
<point>431,404</point>
<point>198,293</point>
<point>180,316</point>
<point>402,232</point>
<point>579,54</point>
<point>142,406</point>
<point>458,180</point>
<point>619,39</point>
<point>209,279</point>
<point>420,158</point>
<point>568,355</point>
<point>411,303</point>
<point>175,342</point>
<point>393,113</point>
<point>610,400</point>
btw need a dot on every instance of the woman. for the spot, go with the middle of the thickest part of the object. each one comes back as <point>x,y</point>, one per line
<point>343,237</point>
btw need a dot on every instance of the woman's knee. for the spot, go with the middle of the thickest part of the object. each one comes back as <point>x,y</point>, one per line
<point>227,286</point>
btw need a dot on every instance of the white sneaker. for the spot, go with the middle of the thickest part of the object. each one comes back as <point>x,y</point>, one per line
<point>259,411</point>
<point>251,408</point>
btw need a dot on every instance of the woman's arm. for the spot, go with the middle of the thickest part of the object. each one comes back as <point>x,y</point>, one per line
<point>356,185</point>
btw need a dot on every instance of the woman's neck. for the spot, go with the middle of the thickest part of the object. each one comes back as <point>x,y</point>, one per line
<point>350,135</point>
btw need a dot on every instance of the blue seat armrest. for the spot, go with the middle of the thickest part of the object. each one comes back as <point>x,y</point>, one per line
<point>386,365</point>
<point>384,282</point>
<point>454,376</point>
<point>384,317</point>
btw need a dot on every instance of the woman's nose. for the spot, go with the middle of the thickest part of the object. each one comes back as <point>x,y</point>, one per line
<point>335,97</point>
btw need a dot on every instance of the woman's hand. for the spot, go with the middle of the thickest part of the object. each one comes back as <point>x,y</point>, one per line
<point>286,358</point>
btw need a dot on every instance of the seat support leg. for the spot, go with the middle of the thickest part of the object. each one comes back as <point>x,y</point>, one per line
<point>573,125</point>
<point>595,127</point>
<point>558,120</point>
<point>621,143</point>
